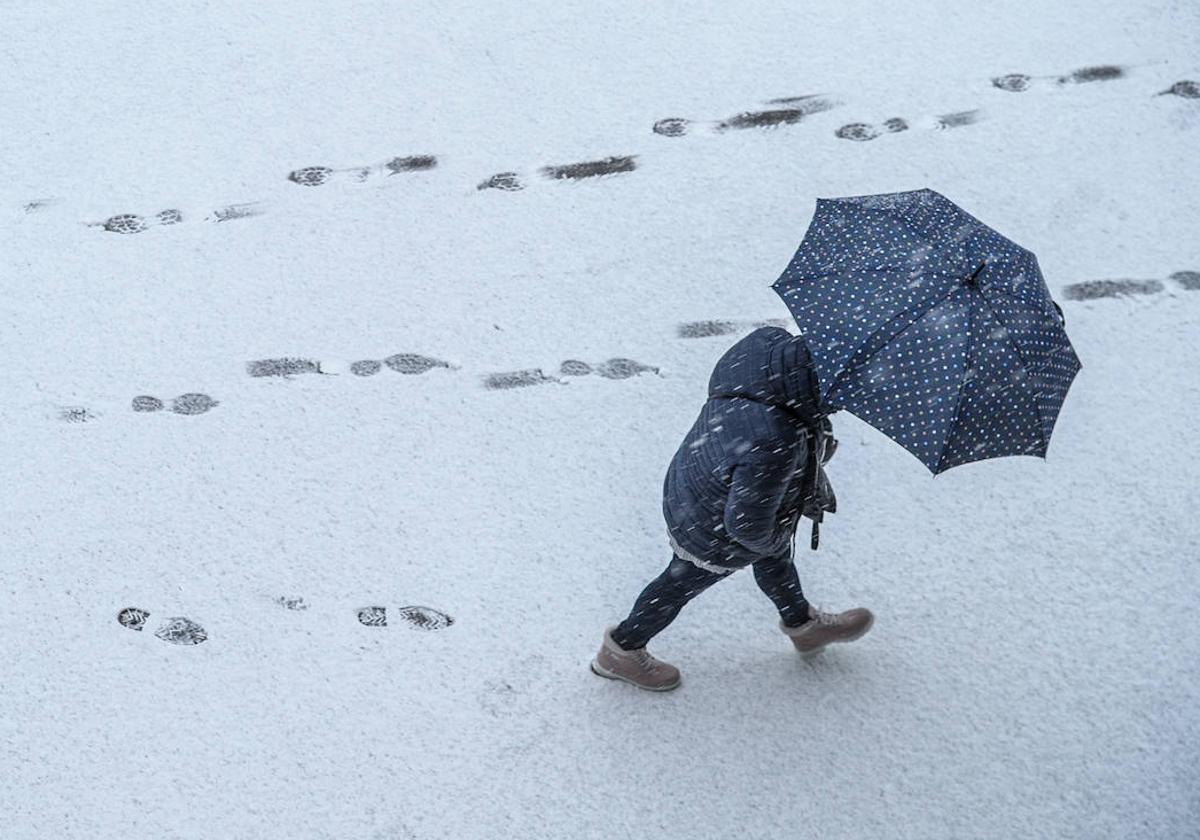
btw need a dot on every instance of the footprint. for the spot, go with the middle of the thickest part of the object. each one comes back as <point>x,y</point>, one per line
<point>515,694</point>
<point>185,404</point>
<point>590,169</point>
<point>39,204</point>
<point>76,414</point>
<point>762,119</point>
<point>794,109</point>
<point>282,367</point>
<point>294,604</point>
<point>611,369</point>
<point>514,181</point>
<point>958,119</point>
<point>672,127</point>
<point>1189,280</point>
<point>1101,73</point>
<point>574,367</point>
<point>193,404</point>
<point>1094,289</point>
<point>416,617</point>
<point>510,695</point>
<point>623,369</point>
<point>1020,82</point>
<point>368,367</point>
<point>507,181</point>
<point>498,696</point>
<point>177,630</point>
<point>373,616</point>
<point>233,212</point>
<point>516,379</point>
<point>145,403</point>
<point>132,223</point>
<point>414,163</point>
<point>1186,89</point>
<point>133,618</point>
<point>707,329</point>
<point>424,618</point>
<point>866,131</point>
<point>411,364</point>
<point>858,131</point>
<point>1012,82</point>
<point>315,176</point>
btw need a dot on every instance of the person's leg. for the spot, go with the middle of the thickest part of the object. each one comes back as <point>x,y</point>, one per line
<point>661,601</point>
<point>777,578</point>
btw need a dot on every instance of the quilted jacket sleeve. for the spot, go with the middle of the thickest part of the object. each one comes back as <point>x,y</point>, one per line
<point>756,493</point>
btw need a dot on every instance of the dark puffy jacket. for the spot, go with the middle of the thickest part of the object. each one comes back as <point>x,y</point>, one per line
<point>740,480</point>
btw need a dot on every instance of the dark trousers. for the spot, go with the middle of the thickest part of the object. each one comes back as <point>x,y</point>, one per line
<point>682,581</point>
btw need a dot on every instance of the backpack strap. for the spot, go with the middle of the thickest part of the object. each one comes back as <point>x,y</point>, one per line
<point>821,448</point>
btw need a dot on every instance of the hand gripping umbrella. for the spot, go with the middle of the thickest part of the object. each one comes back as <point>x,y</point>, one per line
<point>930,326</point>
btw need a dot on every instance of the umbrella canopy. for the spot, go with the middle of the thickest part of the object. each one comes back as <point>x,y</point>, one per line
<point>930,326</point>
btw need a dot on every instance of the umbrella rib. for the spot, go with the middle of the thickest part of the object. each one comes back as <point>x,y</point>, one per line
<point>961,388</point>
<point>1024,366</point>
<point>844,372</point>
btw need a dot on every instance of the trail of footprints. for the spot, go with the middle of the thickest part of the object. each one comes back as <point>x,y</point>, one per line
<point>1087,290</point>
<point>179,630</point>
<point>1021,82</point>
<point>780,112</point>
<point>175,630</point>
<point>409,364</point>
<point>184,404</point>
<point>786,111</point>
<point>416,617</point>
<point>406,364</point>
<point>868,131</point>
<point>315,176</point>
<point>413,364</point>
<point>611,369</point>
<point>707,329</point>
<point>513,181</point>
<point>797,109</point>
<point>126,223</point>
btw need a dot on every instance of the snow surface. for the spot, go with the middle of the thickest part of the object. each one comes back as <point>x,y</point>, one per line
<point>1034,669</point>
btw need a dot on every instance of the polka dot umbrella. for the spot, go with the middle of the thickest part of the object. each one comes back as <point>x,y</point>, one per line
<point>930,326</point>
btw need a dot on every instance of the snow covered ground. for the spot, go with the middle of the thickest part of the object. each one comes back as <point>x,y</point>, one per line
<point>1033,671</point>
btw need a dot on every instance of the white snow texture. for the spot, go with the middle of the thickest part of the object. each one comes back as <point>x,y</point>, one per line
<point>1034,669</point>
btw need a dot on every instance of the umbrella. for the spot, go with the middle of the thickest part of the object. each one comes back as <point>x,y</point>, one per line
<point>930,326</point>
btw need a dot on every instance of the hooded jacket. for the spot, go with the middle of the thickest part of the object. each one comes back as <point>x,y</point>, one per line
<point>743,476</point>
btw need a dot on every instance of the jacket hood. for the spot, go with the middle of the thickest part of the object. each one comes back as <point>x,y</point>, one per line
<point>771,366</point>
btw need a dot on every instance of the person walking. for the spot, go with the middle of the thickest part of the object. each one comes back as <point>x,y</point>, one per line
<point>750,467</point>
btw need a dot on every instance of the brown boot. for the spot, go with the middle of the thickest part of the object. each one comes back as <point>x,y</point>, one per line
<point>823,628</point>
<point>634,666</point>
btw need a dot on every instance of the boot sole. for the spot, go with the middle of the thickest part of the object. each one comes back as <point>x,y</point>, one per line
<point>601,672</point>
